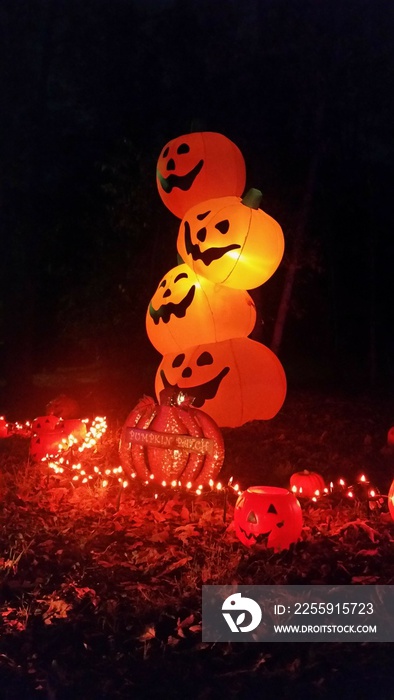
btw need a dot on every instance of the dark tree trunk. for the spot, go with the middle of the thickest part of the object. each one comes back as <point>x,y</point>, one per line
<point>299,233</point>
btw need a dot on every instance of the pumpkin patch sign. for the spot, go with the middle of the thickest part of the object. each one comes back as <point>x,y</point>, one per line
<point>171,441</point>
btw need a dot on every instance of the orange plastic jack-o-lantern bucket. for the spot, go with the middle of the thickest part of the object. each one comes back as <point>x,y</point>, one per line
<point>268,515</point>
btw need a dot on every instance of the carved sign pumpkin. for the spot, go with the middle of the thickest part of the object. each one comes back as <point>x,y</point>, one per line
<point>172,443</point>
<point>186,310</point>
<point>268,515</point>
<point>306,483</point>
<point>196,167</point>
<point>231,241</point>
<point>234,381</point>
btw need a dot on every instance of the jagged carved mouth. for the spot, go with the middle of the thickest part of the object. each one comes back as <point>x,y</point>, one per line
<point>165,311</point>
<point>182,182</point>
<point>210,254</point>
<point>262,537</point>
<point>200,392</point>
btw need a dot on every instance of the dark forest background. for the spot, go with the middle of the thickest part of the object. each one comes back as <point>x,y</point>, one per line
<point>91,92</point>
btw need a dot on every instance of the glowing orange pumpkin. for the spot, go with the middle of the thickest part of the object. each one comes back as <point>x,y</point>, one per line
<point>42,424</point>
<point>196,167</point>
<point>171,442</point>
<point>391,500</point>
<point>234,381</point>
<point>231,241</point>
<point>3,427</point>
<point>46,443</point>
<point>305,484</point>
<point>74,427</point>
<point>267,515</point>
<point>187,310</point>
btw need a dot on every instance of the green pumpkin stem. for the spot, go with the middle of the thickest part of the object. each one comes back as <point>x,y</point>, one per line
<point>252,198</point>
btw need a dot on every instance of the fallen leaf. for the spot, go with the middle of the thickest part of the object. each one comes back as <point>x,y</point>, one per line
<point>150,633</point>
<point>176,565</point>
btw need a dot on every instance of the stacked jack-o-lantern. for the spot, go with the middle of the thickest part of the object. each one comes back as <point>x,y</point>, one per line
<point>201,314</point>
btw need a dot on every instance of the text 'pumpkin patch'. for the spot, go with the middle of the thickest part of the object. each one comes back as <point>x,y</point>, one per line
<point>171,442</point>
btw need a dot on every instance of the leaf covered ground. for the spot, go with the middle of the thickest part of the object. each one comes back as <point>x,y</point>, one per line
<point>100,590</point>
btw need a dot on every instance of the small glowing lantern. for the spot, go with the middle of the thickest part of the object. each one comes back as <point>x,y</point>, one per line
<point>390,437</point>
<point>231,241</point>
<point>391,500</point>
<point>43,424</point>
<point>74,427</point>
<point>268,515</point>
<point>3,427</point>
<point>171,442</point>
<point>196,167</point>
<point>234,381</point>
<point>46,443</point>
<point>189,310</point>
<point>307,484</point>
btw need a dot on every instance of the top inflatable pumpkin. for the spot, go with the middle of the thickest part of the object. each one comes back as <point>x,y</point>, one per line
<point>196,167</point>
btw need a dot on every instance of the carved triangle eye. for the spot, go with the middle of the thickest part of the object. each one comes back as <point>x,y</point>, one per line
<point>251,517</point>
<point>272,509</point>
<point>223,226</point>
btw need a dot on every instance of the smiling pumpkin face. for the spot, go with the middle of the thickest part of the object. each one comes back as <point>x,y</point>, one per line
<point>231,241</point>
<point>234,381</point>
<point>269,516</point>
<point>188,310</point>
<point>198,166</point>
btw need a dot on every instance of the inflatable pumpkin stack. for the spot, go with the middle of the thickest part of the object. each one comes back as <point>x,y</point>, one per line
<point>201,314</point>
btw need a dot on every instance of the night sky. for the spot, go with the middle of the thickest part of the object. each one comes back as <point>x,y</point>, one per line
<point>93,89</point>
